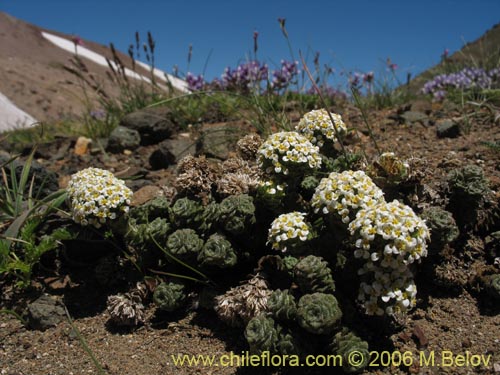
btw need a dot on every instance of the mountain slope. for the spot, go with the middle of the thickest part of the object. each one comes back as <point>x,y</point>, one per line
<point>483,52</point>
<point>33,74</point>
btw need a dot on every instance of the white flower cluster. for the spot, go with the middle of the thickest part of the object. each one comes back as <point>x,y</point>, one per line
<point>394,225</point>
<point>95,195</point>
<point>344,194</point>
<point>288,149</point>
<point>391,290</point>
<point>318,127</point>
<point>288,230</point>
<point>389,237</point>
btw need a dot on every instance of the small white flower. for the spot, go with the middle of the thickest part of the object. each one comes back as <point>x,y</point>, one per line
<point>344,194</point>
<point>318,127</point>
<point>286,151</point>
<point>288,230</point>
<point>95,196</point>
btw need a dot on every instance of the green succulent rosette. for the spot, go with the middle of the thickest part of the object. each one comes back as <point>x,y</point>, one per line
<point>289,263</point>
<point>288,342</point>
<point>282,306</point>
<point>237,213</point>
<point>442,226</point>
<point>469,189</point>
<point>186,212</point>
<point>217,253</point>
<point>312,274</point>
<point>342,162</point>
<point>143,236</point>
<point>209,218</point>
<point>318,313</point>
<point>184,244</point>
<point>468,182</point>
<point>353,350</point>
<point>170,296</point>
<point>156,207</point>
<point>158,229</point>
<point>261,334</point>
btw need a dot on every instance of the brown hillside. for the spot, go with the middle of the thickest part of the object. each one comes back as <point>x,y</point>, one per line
<point>32,73</point>
<point>483,52</point>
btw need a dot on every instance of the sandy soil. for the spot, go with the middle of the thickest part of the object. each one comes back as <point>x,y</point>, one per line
<point>450,317</point>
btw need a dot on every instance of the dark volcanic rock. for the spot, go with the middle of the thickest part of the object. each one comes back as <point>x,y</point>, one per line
<point>45,312</point>
<point>447,129</point>
<point>171,151</point>
<point>218,141</point>
<point>122,138</point>
<point>153,124</point>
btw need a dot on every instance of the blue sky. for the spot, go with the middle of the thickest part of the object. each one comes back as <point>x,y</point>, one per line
<point>350,35</point>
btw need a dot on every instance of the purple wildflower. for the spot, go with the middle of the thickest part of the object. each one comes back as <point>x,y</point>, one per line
<point>195,83</point>
<point>355,80</point>
<point>245,77</point>
<point>368,77</point>
<point>283,77</point>
<point>77,41</point>
<point>391,66</point>
<point>445,54</point>
<point>97,114</point>
<point>466,79</point>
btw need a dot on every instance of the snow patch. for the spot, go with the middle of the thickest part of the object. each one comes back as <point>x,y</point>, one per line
<point>69,46</point>
<point>12,117</point>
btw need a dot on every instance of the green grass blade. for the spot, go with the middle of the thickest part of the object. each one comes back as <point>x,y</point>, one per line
<point>53,201</point>
<point>177,260</point>
<point>14,314</point>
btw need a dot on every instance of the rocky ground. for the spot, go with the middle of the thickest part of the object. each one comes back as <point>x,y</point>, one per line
<point>451,314</point>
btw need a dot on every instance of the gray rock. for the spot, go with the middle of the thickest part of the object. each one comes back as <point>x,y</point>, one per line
<point>122,138</point>
<point>171,151</point>
<point>45,312</point>
<point>411,117</point>
<point>447,129</point>
<point>217,142</point>
<point>422,106</point>
<point>153,124</point>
